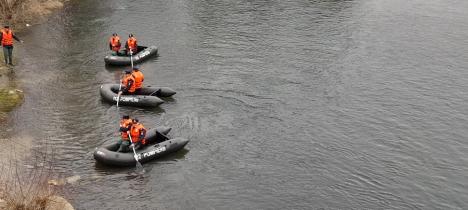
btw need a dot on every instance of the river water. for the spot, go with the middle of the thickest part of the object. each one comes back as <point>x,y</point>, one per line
<point>288,104</point>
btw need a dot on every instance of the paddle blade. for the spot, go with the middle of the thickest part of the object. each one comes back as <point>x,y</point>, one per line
<point>139,168</point>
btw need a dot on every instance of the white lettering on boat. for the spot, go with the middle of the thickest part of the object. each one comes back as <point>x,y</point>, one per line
<point>144,53</point>
<point>154,151</point>
<point>126,99</point>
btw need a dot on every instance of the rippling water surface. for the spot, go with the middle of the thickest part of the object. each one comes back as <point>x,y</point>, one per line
<point>288,104</point>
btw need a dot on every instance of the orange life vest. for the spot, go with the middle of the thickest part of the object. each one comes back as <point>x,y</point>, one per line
<point>124,123</point>
<point>132,44</point>
<point>128,77</point>
<point>139,78</point>
<point>7,37</point>
<point>115,43</point>
<point>135,132</point>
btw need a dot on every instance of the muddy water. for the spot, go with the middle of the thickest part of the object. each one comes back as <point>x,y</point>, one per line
<point>288,104</point>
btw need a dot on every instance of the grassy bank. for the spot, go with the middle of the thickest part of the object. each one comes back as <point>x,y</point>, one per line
<point>10,96</point>
<point>19,12</point>
<point>9,99</point>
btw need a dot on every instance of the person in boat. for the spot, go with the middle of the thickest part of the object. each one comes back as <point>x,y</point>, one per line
<point>114,43</point>
<point>138,134</point>
<point>139,78</point>
<point>6,38</point>
<point>128,84</point>
<point>124,141</point>
<point>131,45</point>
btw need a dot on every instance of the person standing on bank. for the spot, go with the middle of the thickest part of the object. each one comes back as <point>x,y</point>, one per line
<point>6,37</point>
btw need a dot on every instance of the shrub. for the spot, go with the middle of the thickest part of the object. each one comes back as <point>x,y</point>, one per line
<point>26,187</point>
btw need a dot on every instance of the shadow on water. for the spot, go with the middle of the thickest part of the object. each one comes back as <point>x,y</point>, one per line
<point>169,99</point>
<point>113,69</point>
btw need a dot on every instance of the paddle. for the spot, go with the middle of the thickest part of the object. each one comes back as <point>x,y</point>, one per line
<point>138,164</point>
<point>131,57</point>
<point>120,88</point>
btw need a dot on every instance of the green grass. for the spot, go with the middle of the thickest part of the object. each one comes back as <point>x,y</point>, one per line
<point>9,99</point>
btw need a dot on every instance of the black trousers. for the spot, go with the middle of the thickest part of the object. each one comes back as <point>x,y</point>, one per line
<point>8,54</point>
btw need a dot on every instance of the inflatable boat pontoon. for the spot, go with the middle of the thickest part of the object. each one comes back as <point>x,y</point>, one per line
<point>147,97</point>
<point>124,60</point>
<point>158,146</point>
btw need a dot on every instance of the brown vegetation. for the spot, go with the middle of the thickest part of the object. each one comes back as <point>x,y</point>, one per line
<point>26,187</point>
<point>20,12</point>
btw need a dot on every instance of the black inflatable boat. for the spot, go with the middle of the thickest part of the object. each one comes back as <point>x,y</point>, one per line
<point>124,60</point>
<point>158,146</point>
<point>147,97</point>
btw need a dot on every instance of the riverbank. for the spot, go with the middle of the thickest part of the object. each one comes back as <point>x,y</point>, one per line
<point>23,187</point>
<point>29,179</point>
<point>30,187</point>
<point>20,13</point>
